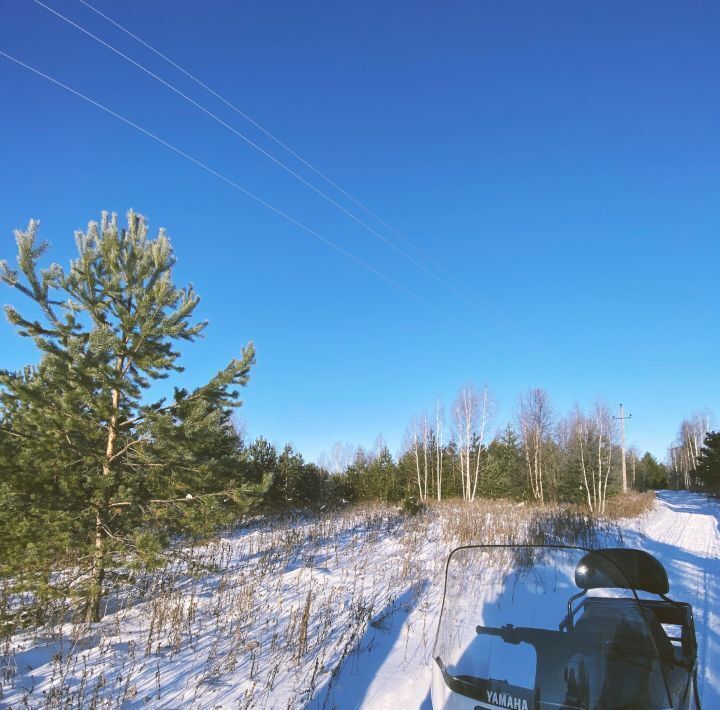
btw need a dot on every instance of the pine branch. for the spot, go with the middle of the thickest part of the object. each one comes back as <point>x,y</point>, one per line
<point>15,433</point>
<point>167,407</point>
<point>189,498</point>
<point>127,447</point>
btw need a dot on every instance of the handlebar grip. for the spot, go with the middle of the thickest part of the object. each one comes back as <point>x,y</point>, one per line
<point>508,633</point>
<point>488,630</point>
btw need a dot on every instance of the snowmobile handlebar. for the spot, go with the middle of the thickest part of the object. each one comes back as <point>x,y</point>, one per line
<point>519,634</point>
<point>508,633</point>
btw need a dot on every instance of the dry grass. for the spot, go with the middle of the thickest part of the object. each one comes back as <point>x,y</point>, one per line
<point>267,617</point>
<point>630,505</point>
<point>508,522</point>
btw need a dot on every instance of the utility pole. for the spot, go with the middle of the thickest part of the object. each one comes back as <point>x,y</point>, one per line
<point>622,419</point>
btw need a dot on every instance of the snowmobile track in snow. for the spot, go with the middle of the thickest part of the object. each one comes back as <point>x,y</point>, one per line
<point>683,532</point>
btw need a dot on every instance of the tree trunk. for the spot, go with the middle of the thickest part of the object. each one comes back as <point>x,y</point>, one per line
<point>439,450</point>
<point>92,609</point>
<point>416,456</point>
<point>92,613</point>
<point>425,459</point>
<point>584,470</point>
<point>480,443</point>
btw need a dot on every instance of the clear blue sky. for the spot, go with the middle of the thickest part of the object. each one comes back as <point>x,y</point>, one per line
<point>560,159</point>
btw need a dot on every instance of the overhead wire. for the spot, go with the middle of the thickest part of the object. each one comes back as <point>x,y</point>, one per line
<point>272,137</point>
<point>224,178</point>
<point>261,150</point>
<point>276,140</point>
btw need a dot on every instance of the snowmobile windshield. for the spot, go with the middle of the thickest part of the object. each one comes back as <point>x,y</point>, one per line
<point>520,628</point>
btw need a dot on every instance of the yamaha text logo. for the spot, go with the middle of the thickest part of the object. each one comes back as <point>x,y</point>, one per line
<point>503,700</point>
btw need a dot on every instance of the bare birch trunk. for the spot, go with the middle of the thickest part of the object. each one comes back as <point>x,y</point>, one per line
<point>481,442</point>
<point>425,459</point>
<point>439,450</point>
<point>581,435</point>
<point>416,456</point>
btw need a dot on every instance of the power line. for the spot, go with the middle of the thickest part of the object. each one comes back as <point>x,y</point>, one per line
<point>284,215</point>
<point>250,142</point>
<point>279,142</point>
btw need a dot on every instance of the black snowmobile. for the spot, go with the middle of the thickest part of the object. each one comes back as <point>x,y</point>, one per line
<point>516,633</point>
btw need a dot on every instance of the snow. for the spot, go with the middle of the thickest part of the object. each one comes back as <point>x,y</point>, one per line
<point>335,612</point>
<point>683,532</point>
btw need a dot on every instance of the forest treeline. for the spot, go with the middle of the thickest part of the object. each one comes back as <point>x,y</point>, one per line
<point>573,465</point>
<point>97,479</point>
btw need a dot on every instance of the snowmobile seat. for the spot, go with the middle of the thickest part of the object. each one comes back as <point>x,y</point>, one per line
<point>621,568</point>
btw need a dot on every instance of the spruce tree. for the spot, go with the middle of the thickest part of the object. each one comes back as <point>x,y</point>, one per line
<point>96,451</point>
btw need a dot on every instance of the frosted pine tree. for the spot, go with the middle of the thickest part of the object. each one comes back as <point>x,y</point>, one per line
<point>106,327</point>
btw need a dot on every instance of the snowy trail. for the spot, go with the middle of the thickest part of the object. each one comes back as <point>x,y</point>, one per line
<point>683,532</point>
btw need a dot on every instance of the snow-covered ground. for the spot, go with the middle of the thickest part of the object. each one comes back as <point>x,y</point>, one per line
<point>683,532</point>
<point>339,611</point>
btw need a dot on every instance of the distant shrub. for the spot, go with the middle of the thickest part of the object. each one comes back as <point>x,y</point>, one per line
<point>411,506</point>
<point>629,505</point>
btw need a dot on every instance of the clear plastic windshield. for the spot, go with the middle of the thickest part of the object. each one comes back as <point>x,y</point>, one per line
<point>517,632</point>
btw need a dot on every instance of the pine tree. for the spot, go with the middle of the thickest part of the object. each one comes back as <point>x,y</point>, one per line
<point>357,479</point>
<point>262,456</point>
<point>708,462</point>
<point>40,474</point>
<point>107,327</point>
<point>504,473</point>
<point>295,483</point>
<point>383,478</point>
<point>650,473</point>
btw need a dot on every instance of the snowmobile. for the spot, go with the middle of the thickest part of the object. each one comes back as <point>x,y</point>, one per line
<point>540,627</point>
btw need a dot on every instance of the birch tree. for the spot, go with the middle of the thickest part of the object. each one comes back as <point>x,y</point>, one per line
<point>471,413</point>
<point>439,422</point>
<point>593,437</point>
<point>684,454</point>
<point>633,455</point>
<point>535,424</point>
<point>338,459</point>
<point>418,441</point>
